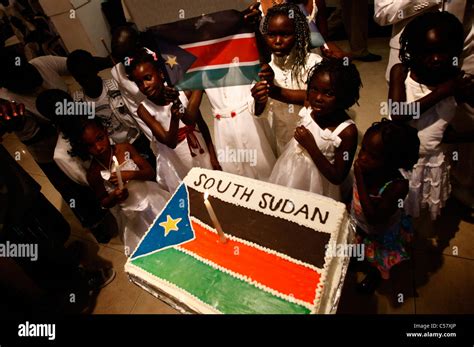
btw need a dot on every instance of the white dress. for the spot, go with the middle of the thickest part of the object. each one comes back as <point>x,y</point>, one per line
<point>172,165</point>
<point>241,140</point>
<point>296,169</point>
<point>137,213</point>
<point>429,179</point>
<point>284,117</point>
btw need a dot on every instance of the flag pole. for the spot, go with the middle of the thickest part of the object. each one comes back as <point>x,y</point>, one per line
<point>109,53</point>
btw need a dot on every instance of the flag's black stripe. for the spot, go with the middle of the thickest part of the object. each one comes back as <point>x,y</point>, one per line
<point>299,242</point>
<point>209,27</point>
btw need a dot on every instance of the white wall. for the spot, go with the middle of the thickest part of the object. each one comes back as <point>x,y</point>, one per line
<point>85,30</point>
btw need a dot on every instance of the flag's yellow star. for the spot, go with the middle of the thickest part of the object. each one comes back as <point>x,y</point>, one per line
<point>170,224</point>
<point>171,61</point>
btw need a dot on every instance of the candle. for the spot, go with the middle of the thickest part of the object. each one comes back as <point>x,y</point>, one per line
<point>215,221</point>
<point>117,170</point>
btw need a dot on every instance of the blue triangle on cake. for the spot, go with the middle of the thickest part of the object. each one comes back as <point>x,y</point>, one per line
<point>171,228</point>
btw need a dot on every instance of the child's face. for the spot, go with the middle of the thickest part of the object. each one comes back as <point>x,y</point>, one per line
<point>149,80</point>
<point>370,156</point>
<point>435,63</point>
<point>280,36</point>
<point>321,94</point>
<point>96,140</point>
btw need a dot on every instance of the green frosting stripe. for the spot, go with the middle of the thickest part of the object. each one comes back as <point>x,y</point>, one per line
<point>232,296</point>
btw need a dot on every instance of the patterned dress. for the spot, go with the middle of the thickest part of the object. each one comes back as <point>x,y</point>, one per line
<point>385,244</point>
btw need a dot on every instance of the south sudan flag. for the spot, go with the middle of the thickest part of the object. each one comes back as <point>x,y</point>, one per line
<point>221,46</point>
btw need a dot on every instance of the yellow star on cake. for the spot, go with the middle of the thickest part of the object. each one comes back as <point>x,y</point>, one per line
<point>171,60</point>
<point>170,224</point>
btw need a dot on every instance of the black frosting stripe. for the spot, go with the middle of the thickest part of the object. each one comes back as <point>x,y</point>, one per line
<point>296,241</point>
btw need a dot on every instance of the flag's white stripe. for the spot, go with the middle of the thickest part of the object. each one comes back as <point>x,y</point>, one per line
<point>210,42</point>
<point>224,66</point>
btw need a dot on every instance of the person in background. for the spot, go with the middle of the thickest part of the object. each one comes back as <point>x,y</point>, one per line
<point>399,13</point>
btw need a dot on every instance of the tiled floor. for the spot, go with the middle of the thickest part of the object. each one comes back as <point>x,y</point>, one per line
<point>438,279</point>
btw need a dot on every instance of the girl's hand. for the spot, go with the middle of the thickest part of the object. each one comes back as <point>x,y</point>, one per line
<point>464,89</point>
<point>170,94</point>
<point>267,73</point>
<point>252,14</point>
<point>451,87</point>
<point>126,176</point>
<point>305,138</point>
<point>333,51</point>
<point>11,115</point>
<point>120,195</point>
<point>177,111</point>
<point>260,92</point>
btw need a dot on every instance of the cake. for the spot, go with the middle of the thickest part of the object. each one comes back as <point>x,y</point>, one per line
<point>275,257</point>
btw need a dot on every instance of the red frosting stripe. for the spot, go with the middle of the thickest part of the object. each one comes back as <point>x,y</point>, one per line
<point>224,52</point>
<point>267,269</point>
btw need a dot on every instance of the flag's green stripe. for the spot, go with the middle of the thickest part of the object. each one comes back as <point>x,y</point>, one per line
<point>223,77</point>
<point>216,288</point>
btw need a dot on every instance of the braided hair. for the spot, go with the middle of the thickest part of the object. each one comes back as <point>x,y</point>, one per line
<point>345,80</point>
<point>143,55</point>
<point>413,37</point>
<point>302,37</point>
<point>401,144</point>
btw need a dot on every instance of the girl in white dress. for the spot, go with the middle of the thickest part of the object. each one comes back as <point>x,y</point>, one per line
<point>429,86</point>
<point>286,33</point>
<point>133,197</point>
<point>319,157</point>
<point>178,143</point>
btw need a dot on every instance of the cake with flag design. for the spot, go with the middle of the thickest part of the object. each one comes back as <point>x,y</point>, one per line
<point>262,249</point>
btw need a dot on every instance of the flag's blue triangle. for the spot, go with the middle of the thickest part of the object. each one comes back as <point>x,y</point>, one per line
<point>176,60</point>
<point>171,228</point>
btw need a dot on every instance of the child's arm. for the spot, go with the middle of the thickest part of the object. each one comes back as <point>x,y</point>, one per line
<point>170,137</point>
<point>206,134</point>
<point>96,182</point>
<point>289,96</point>
<point>260,92</point>
<point>343,156</point>
<point>380,210</point>
<point>192,112</point>
<point>397,92</point>
<point>145,172</point>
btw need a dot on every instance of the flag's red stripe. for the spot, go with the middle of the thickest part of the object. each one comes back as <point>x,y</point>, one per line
<point>245,49</point>
<point>268,269</point>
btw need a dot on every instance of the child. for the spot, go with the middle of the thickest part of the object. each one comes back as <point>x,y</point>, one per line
<point>170,123</point>
<point>46,103</point>
<point>430,79</point>
<point>287,35</point>
<point>319,157</point>
<point>137,204</point>
<point>108,102</point>
<point>378,193</point>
